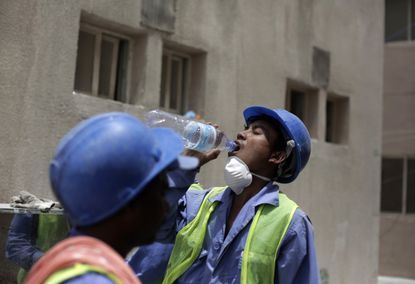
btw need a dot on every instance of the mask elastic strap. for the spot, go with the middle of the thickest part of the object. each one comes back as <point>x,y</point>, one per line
<point>261,177</point>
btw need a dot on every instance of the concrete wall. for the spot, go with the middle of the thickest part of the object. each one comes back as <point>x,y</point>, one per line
<point>252,48</point>
<point>394,280</point>
<point>397,243</point>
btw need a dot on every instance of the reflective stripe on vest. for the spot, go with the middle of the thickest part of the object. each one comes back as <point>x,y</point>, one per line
<point>265,235</point>
<point>78,269</point>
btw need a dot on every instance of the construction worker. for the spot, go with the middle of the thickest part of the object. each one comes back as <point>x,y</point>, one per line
<point>30,235</point>
<point>110,174</point>
<point>248,231</point>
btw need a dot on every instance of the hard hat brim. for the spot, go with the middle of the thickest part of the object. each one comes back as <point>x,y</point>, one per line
<point>256,111</point>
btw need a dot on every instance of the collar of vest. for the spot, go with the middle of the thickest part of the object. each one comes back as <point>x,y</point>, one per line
<point>269,194</point>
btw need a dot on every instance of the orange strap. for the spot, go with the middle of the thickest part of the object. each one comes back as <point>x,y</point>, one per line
<point>85,250</point>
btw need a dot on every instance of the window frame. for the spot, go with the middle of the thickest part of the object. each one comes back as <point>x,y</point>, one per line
<point>410,34</point>
<point>185,61</point>
<point>404,188</point>
<point>310,110</point>
<point>102,34</point>
<point>338,131</point>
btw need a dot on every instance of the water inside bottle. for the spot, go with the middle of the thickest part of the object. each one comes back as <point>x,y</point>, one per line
<point>192,135</point>
<point>199,136</point>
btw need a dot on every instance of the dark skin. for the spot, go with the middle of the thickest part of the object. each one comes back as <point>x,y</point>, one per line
<point>137,223</point>
<point>257,149</point>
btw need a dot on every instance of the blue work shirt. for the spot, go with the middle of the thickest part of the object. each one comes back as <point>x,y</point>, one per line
<point>21,240</point>
<point>220,258</point>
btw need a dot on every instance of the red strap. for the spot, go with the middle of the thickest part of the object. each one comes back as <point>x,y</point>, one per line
<point>84,250</point>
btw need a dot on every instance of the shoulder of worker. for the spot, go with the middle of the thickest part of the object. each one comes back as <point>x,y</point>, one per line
<point>300,226</point>
<point>181,178</point>
<point>190,203</point>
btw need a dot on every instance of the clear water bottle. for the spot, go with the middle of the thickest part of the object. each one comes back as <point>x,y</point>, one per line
<point>196,135</point>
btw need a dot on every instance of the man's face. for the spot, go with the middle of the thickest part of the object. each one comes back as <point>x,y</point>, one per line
<point>256,145</point>
<point>150,211</point>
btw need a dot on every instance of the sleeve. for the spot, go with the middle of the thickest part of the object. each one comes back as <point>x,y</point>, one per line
<point>297,260</point>
<point>21,241</point>
<point>149,262</point>
<point>179,181</point>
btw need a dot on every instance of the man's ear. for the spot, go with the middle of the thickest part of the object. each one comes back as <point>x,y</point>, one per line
<point>277,157</point>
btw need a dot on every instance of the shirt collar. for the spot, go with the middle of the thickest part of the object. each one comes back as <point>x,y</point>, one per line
<point>267,195</point>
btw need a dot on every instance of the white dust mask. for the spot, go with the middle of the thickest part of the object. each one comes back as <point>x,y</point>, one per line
<point>238,176</point>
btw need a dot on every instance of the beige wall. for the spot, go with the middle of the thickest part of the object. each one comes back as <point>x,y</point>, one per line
<point>396,241</point>
<point>397,245</point>
<point>252,48</point>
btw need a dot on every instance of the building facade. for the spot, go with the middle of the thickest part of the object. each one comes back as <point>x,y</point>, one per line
<point>397,226</point>
<point>63,61</point>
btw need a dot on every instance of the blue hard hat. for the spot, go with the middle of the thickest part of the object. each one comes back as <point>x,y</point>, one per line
<point>190,114</point>
<point>292,129</point>
<point>107,160</point>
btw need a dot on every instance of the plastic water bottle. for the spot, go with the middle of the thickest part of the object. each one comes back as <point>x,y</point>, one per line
<point>196,135</point>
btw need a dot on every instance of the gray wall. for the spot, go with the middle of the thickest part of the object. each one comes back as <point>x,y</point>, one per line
<point>397,245</point>
<point>252,48</point>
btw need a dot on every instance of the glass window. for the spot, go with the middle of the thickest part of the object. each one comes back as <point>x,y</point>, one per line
<point>107,69</point>
<point>174,79</point>
<point>412,23</point>
<point>101,65</point>
<point>396,20</point>
<point>329,121</point>
<point>122,72</point>
<point>337,119</point>
<point>85,62</point>
<point>392,182</point>
<point>410,193</point>
<point>175,83</point>
<point>297,105</point>
<point>302,100</point>
<point>163,89</point>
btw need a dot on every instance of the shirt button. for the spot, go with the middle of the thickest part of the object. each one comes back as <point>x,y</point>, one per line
<point>216,246</point>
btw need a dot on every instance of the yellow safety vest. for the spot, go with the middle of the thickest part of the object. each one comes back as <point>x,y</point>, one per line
<point>77,270</point>
<point>265,235</point>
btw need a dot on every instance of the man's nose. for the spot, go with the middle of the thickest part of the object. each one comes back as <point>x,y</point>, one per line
<point>241,135</point>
